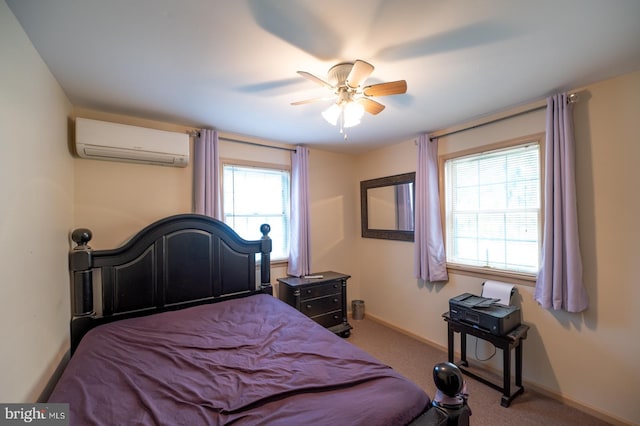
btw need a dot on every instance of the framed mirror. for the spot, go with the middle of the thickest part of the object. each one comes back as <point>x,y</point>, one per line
<point>387,207</point>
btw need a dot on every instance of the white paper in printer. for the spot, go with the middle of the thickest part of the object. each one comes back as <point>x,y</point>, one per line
<point>498,290</point>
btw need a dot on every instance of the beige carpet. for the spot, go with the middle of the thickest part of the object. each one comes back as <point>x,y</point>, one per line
<point>415,360</point>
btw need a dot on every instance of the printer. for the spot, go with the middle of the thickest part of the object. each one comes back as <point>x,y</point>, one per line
<point>484,313</point>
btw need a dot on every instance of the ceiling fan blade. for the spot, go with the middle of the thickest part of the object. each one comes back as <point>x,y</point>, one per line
<point>359,73</point>
<point>312,100</point>
<point>386,89</point>
<point>315,79</point>
<point>371,106</point>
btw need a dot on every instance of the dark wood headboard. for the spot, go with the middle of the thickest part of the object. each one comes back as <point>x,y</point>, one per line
<point>176,262</point>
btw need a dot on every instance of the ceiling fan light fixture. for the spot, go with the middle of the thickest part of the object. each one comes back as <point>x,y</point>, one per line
<point>353,112</point>
<point>347,114</point>
<point>332,114</point>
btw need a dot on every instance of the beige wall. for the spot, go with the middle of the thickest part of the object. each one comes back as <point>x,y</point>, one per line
<point>36,210</point>
<point>116,199</point>
<point>334,210</point>
<point>384,264</point>
<point>589,359</point>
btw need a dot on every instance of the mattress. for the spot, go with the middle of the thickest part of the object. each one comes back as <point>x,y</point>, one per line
<point>252,360</point>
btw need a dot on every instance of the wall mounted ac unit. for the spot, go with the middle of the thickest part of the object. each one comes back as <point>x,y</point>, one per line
<point>101,140</point>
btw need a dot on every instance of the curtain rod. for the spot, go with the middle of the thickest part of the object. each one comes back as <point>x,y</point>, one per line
<point>571,99</point>
<point>196,133</point>
<point>257,144</point>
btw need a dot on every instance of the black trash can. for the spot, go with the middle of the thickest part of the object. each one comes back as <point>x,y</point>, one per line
<point>357,309</point>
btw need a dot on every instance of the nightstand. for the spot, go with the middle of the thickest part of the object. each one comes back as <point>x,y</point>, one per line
<point>323,299</point>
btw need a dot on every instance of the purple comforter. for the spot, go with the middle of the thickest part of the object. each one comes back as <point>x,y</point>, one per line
<point>253,360</point>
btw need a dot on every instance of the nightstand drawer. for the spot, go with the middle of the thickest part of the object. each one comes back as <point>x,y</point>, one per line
<point>330,319</point>
<point>325,289</point>
<point>313,307</point>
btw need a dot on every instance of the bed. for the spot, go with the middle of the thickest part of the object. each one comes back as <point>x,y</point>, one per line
<point>188,333</point>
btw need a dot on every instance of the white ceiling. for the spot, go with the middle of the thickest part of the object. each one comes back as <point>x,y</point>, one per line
<point>231,64</point>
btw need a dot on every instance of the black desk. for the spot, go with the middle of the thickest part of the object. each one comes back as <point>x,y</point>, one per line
<point>506,343</point>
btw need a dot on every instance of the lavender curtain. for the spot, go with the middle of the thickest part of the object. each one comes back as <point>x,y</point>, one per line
<point>405,207</point>
<point>559,284</point>
<point>430,259</point>
<point>299,240</point>
<point>206,183</point>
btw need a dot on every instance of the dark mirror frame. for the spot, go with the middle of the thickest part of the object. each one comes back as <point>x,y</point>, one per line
<point>385,234</point>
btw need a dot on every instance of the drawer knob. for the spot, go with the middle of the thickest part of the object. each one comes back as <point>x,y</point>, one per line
<point>335,300</point>
<point>336,317</point>
<point>308,306</point>
<point>308,291</point>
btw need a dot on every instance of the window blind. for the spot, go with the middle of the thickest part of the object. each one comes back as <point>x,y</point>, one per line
<point>253,196</point>
<point>493,209</point>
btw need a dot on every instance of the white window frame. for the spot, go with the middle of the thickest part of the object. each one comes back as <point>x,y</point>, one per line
<point>489,272</point>
<point>261,166</point>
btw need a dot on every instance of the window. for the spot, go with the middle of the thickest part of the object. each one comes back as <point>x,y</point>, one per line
<point>493,208</point>
<point>253,195</point>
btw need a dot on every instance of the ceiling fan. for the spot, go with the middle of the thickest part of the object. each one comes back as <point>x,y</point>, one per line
<point>345,81</point>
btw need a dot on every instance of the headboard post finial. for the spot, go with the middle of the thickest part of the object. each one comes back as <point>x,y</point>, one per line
<point>265,259</point>
<point>81,237</point>
<point>80,262</point>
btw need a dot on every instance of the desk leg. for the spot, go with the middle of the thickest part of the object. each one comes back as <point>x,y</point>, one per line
<point>506,371</point>
<point>519,364</point>
<point>463,349</point>
<point>450,343</point>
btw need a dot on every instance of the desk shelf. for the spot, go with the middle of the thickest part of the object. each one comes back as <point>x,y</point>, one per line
<point>511,340</point>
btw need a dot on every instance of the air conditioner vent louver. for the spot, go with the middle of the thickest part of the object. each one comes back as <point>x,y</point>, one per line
<point>100,140</point>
